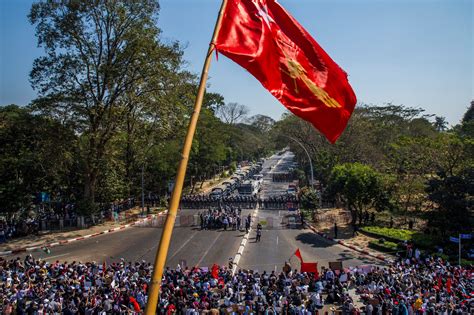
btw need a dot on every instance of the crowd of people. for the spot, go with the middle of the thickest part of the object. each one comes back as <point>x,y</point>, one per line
<point>409,286</point>
<point>423,285</point>
<point>37,287</point>
<point>55,216</point>
<point>226,217</point>
<point>13,227</point>
<point>32,286</point>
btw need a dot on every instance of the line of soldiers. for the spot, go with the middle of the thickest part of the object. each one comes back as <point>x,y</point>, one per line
<point>204,201</point>
<point>279,202</point>
<point>239,201</point>
<point>283,177</point>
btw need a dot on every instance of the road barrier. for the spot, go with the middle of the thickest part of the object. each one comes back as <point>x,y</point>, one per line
<point>181,221</point>
<point>270,222</point>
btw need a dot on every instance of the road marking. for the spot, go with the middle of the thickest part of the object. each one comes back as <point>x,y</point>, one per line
<point>243,243</point>
<point>277,240</point>
<point>182,246</point>
<point>51,257</point>
<point>207,251</point>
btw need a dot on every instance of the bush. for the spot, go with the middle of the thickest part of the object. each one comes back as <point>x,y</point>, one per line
<point>384,246</point>
<point>425,241</point>
<point>233,167</point>
<point>309,199</point>
<point>398,234</point>
<point>420,240</point>
<point>86,207</point>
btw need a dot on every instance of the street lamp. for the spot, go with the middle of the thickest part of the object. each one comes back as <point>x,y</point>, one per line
<point>311,169</point>
<point>307,154</point>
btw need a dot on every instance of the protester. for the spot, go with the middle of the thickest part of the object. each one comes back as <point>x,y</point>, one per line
<point>419,286</point>
<point>425,286</point>
<point>226,217</point>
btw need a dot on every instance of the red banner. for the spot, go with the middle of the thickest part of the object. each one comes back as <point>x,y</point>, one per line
<point>262,37</point>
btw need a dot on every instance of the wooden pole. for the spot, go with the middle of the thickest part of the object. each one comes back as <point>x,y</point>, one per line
<point>162,252</point>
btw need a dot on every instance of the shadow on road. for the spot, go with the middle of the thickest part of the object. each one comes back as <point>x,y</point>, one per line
<point>313,240</point>
<point>348,255</point>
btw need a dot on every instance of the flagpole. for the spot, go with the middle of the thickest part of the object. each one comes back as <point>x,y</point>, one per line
<point>160,258</point>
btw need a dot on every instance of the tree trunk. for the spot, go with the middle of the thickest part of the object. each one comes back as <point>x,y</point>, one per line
<point>89,185</point>
<point>353,215</point>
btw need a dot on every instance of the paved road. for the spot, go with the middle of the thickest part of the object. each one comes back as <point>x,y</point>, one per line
<point>196,247</point>
<point>279,242</point>
<point>203,248</point>
<point>280,164</point>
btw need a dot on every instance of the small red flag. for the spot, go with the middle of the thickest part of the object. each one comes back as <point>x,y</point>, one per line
<point>309,267</point>
<point>265,39</point>
<point>104,268</point>
<point>298,254</point>
<point>448,285</point>
<point>215,271</point>
<point>135,304</point>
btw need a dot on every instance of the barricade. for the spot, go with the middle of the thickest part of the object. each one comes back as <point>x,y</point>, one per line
<point>180,221</point>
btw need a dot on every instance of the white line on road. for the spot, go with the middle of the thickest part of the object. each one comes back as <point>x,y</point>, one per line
<point>277,239</point>
<point>242,244</point>
<point>207,251</point>
<point>182,246</point>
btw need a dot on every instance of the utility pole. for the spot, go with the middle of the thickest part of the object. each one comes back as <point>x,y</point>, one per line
<point>309,159</point>
<point>459,257</point>
<point>143,193</point>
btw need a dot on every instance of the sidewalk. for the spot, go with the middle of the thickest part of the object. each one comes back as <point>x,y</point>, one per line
<point>345,237</point>
<point>54,238</point>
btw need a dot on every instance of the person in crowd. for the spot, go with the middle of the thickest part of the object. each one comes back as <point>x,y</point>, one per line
<point>424,286</point>
<point>259,233</point>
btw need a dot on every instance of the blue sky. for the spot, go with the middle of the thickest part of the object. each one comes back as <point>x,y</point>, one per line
<point>413,52</point>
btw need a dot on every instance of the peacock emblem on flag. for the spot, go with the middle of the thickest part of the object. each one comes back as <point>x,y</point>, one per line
<point>295,70</point>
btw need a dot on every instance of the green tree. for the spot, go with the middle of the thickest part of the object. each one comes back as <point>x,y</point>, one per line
<point>309,199</point>
<point>103,58</point>
<point>440,124</point>
<point>261,122</point>
<point>232,113</point>
<point>37,154</point>
<point>209,146</point>
<point>360,187</point>
<point>453,197</point>
<point>466,129</point>
<point>411,161</point>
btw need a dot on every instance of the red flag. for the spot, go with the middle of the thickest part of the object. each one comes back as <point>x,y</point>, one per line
<point>448,285</point>
<point>298,254</point>
<point>215,271</point>
<point>266,40</point>
<point>309,267</point>
<point>104,268</point>
<point>135,304</point>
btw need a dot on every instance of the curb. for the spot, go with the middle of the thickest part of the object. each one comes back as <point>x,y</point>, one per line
<point>352,247</point>
<point>244,241</point>
<point>80,238</point>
